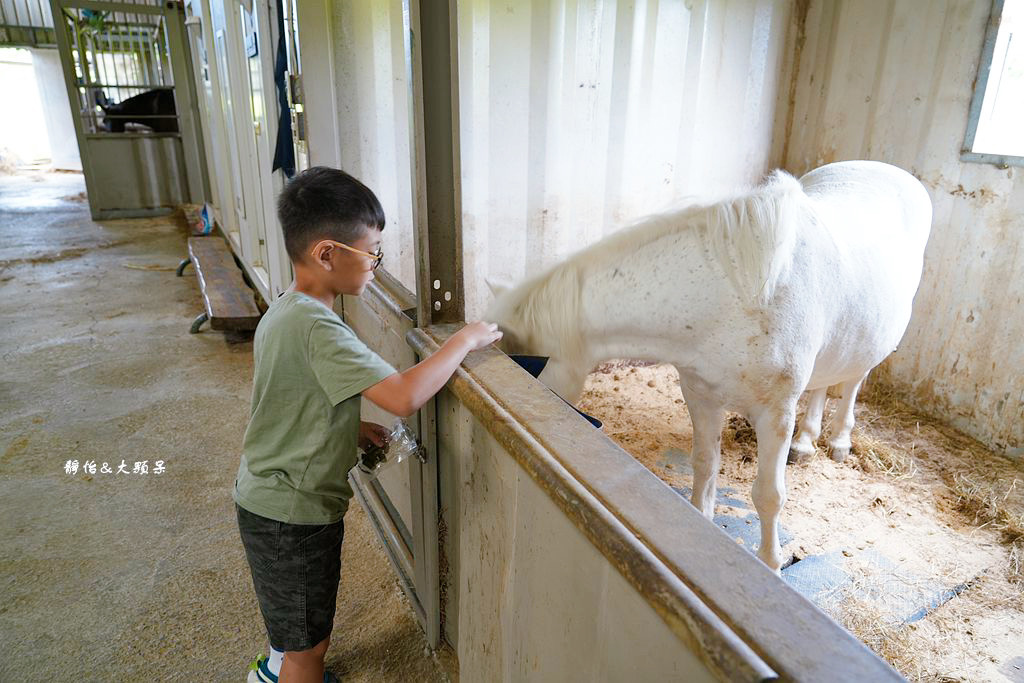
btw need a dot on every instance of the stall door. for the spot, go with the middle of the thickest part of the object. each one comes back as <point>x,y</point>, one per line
<point>128,78</point>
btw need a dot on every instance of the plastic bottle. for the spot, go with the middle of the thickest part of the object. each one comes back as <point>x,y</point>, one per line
<point>401,444</point>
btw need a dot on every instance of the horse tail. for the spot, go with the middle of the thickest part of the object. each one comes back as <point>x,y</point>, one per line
<point>753,235</point>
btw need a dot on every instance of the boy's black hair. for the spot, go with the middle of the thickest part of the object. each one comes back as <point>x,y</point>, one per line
<point>325,203</point>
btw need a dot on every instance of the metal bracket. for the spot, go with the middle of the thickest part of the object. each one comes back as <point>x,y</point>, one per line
<point>198,322</point>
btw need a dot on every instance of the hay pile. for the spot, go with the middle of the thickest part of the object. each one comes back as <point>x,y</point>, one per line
<point>985,486</point>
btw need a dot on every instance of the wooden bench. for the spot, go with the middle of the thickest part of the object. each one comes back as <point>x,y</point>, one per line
<point>230,304</point>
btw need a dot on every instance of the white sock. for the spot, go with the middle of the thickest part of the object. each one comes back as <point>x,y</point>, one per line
<point>274,660</point>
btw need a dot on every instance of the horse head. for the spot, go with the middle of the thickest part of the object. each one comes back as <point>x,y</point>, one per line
<point>529,328</point>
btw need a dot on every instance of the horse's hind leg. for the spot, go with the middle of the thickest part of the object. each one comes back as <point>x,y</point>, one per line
<point>774,427</point>
<point>842,421</point>
<point>810,427</point>
<point>707,451</point>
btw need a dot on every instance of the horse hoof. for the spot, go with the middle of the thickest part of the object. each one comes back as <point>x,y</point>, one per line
<point>797,458</point>
<point>839,454</point>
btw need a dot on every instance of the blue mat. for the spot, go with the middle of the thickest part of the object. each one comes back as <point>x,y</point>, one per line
<point>906,598</point>
<point>741,525</point>
<point>827,579</point>
<point>817,576</point>
<point>1013,669</point>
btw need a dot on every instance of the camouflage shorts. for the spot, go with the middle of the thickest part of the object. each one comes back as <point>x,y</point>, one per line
<point>296,569</point>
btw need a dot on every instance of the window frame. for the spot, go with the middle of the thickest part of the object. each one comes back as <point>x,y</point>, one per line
<point>980,85</point>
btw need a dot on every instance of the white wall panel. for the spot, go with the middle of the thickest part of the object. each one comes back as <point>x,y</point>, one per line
<point>22,127</point>
<point>578,116</point>
<point>372,108</point>
<point>60,127</point>
<point>893,81</point>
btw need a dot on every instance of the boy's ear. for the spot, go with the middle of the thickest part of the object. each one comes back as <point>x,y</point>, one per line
<point>497,287</point>
<point>316,256</point>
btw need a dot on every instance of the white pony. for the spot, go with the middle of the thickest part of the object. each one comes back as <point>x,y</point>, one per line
<point>795,286</point>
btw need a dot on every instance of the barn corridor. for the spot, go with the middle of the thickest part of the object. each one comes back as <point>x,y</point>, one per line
<point>138,575</point>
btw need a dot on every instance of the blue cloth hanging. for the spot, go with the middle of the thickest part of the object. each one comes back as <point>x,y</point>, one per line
<point>284,154</point>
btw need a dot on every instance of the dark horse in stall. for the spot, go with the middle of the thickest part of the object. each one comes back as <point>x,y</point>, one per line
<point>138,108</point>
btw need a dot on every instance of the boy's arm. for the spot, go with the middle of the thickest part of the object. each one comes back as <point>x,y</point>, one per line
<point>404,393</point>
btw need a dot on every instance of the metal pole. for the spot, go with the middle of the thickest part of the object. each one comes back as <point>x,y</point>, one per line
<point>124,49</point>
<point>84,55</point>
<point>434,83</point>
<point>147,53</point>
<point>166,69</point>
<point>102,77</point>
<point>134,56</point>
<point>133,33</point>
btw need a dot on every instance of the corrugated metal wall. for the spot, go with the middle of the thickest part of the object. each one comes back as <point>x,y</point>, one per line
<point>893,81</point>
<point>579,116</point>
<point>27,13</point>
<point>371,84</point>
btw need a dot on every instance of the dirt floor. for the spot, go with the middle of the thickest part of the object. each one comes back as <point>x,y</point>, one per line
<point>140,577</point>
<point>939,505</point>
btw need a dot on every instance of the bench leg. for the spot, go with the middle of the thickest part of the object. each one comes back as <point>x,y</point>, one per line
<point>198,322</point>
<point>181,266</point>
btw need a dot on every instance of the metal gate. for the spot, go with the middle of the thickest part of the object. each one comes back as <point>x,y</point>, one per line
<point>127,71</point>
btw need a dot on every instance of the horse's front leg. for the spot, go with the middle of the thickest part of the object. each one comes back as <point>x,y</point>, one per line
<point>706,417</point>
<point>774,427</point>
<point>842,421</point>
<point>810,427</point>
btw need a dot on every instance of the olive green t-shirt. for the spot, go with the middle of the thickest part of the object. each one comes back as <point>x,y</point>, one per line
<point>309,371</point>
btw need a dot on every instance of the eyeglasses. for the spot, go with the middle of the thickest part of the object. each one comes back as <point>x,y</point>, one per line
<point>377,258</point>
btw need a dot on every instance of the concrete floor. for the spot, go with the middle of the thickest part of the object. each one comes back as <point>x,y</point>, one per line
<point>132,577</point>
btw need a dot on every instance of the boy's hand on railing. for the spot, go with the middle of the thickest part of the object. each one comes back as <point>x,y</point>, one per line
<point>403,393</point>
<point>479,335</point>
<point>373,433</point>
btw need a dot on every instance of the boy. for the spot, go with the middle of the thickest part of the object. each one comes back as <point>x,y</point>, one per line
<point>310,369</point>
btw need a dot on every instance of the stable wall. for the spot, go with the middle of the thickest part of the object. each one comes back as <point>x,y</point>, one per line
<point>60,128</point>
<point>371,114</point>
<point>893,81</point>
<point>22,133</point>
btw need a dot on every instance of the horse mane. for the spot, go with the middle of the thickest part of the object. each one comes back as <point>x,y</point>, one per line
<point>751,235</point>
